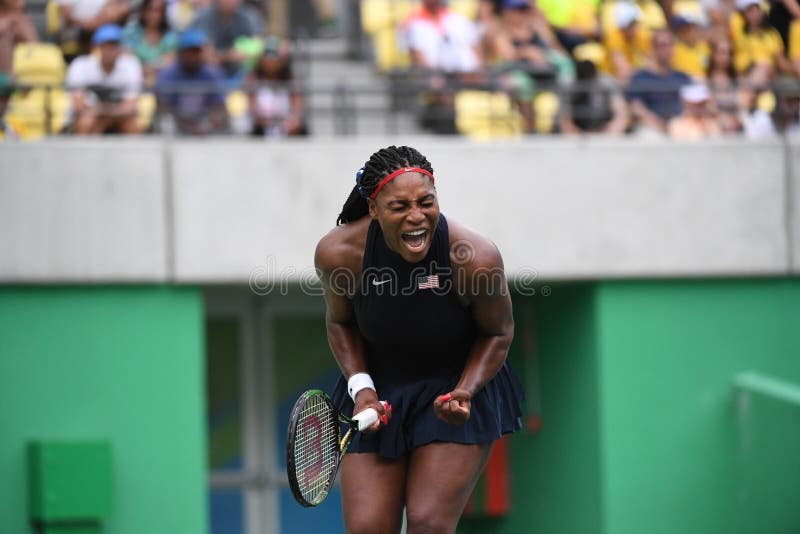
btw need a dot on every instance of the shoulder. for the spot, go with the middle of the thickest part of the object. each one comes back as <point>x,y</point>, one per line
<point>342,247</point>
<point>472,251</point>
<point>81,66</point>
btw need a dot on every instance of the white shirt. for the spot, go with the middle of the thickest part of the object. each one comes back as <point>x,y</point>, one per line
<point>446,43</point>
<point>84,9</point>
<point>126,75</point>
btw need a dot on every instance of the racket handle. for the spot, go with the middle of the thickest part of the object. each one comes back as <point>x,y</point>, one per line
<point>368,417</point>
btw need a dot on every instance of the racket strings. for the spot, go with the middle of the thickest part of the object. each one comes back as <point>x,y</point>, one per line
<point>316,451</point>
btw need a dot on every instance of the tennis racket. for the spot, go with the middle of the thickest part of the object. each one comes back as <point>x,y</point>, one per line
<point>315,446</point>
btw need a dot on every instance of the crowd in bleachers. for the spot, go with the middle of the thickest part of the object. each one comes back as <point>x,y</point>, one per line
<point>687,69</point>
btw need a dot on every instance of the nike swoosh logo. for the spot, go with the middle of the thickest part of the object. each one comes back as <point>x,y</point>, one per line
<point>381,282</point>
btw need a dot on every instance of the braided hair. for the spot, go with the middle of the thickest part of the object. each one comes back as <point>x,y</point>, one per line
<point>380,164</point>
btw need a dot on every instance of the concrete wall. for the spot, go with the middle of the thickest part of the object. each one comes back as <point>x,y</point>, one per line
<point>223,210</point>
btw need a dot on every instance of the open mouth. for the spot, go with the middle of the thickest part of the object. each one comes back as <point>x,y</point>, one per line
<point>415,240</point>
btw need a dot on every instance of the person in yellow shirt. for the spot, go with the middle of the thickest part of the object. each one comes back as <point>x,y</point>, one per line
<point>794,45</point>
<point>628,43</point>
<point>692,53</point>
<point>758,49</point>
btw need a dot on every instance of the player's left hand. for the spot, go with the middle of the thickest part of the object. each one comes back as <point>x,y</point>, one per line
<point>453,407</point>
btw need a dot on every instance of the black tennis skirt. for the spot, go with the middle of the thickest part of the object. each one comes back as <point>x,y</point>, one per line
<point>495,410</point>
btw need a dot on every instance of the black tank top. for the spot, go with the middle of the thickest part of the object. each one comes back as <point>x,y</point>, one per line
<point>410,317</point>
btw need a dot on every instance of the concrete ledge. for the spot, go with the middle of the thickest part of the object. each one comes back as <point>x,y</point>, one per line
<point>220,210</point>
<point>82,212</point>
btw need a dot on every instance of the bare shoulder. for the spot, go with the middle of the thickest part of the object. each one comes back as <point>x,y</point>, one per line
<point>471,249</point>
<point>342,247</point>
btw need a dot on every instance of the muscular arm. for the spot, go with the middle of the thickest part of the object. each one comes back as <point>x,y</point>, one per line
<point>491,308</point>
<point>344,336</point>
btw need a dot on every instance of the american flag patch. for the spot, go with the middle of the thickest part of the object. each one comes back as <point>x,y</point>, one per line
<point>428,282</point>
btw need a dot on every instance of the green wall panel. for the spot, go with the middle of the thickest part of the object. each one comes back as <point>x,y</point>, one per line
<point>555,472</point>
<point>672,433</point>
<point>116,363</point>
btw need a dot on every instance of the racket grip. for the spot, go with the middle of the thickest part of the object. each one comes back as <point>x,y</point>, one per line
<point>368,417</point>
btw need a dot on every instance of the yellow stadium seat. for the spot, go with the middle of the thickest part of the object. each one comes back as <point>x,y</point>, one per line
<point>468,8</point>
<point>388,54</point>
<point>146,108</point>
<point>236,104</point>
<point>381,19</point>
<point>52,18</point>
<point>487,115</point>
<point>38,63</point>
<point>27,111</point>
<point>380,14</point>
<point>545,108</point>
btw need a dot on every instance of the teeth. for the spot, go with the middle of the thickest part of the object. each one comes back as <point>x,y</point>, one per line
<point>417,232</point>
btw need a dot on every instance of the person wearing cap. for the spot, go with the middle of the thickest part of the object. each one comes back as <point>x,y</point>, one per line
<point>692,53</point>
<point>191,91</point>
<point>105,86</point>
<point>628,43</point>
<point>653,92</point>
<point>697,121</point>
<point>758,48</point>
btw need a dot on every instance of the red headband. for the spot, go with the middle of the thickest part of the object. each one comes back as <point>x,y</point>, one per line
<point>397,173</point>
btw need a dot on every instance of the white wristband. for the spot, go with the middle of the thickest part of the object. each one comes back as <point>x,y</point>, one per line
<point>357,382</point>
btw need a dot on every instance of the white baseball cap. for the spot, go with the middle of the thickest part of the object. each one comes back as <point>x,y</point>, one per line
<point>741,5</point>
<point>695,93</point>
<point>626,13</point>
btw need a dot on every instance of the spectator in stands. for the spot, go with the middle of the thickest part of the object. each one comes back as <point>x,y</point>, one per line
<point>105,86</point>
<point>575,22</point>
<point>785,117</point>
<point>721,79</point>
<point>524,39</point>
<point>691,54</point>
<point>758,49</point>
<point>15,27</point>
<point>443,46</point>
<point>594,105</point>
<point>276,105</point>
<point>191,91</point>
<point>148,36</point>
<point>697,120</point>
<point>440,39</point>
<point>231,27</point>
<point>654,92</point>
<point>81,18</point>
<point>629,43</point>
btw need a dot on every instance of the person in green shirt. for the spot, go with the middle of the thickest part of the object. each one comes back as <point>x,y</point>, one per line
<point>150,38</point>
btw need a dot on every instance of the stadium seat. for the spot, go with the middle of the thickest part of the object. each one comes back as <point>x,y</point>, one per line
<point>380,19</point>
<point>38,64</point>
<point>238,109</point>
<point>146,109</point>
<point>468,8</point>
<point>487,115</point>
<point>545,108</point>
<point>27,112</point>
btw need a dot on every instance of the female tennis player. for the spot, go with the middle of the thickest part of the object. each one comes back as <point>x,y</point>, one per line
<point>418,314</point>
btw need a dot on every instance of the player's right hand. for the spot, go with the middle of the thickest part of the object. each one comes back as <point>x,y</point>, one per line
<point>367,398</point>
